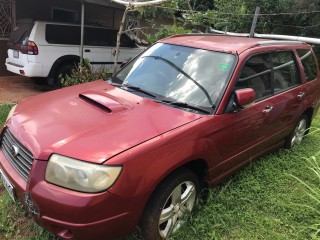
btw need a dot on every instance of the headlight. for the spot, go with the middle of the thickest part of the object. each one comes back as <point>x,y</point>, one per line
<point>80,176</point>
<point>11,112</point>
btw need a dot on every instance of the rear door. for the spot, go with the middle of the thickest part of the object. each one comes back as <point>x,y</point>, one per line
<point>282,108</point>
<point>19,36</point>
<point>100,44</point>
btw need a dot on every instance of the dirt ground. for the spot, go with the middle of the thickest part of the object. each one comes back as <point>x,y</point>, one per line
<point>16,88</point>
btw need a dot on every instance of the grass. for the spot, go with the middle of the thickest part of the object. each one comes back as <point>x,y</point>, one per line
<point>266,200</point>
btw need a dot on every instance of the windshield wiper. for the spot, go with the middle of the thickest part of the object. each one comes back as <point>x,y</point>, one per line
<point>128,86</point>
<point>207,110</point>
<point>184,73</point>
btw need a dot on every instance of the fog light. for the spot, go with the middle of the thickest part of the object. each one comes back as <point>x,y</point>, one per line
<point>21,72</point>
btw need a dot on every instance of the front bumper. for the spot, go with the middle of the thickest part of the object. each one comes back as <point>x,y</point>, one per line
<point>73,215</point>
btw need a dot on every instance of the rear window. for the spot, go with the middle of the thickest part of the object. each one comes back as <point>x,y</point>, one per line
<point>70,35</point>
<point>22,32</point>
<point>309,64</point>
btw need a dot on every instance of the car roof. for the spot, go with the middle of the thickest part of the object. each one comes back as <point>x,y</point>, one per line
<point>223,43</point>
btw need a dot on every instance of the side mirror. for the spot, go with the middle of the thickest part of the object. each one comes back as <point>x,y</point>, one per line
<point>245,97</point>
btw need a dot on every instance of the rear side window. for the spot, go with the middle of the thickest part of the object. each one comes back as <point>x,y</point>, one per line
<point>309,64</point>
<point>93,36</point>
<point>61,34</point>
<point>285,71</point>
<point>269,73</point>
<point>100,37</point>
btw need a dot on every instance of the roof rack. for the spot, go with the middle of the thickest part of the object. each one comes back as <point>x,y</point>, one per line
<point>277,42</point>
<point>272,36</point>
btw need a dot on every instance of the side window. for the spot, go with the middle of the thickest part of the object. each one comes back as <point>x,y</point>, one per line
<point>62,34</point>
<point>100,37</point>
<point>309,64</point>
<point>256,74</point>
<point>126,41</point>
<point>284,70</point>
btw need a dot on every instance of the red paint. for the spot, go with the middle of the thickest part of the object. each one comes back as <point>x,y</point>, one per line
<point>99,123</point>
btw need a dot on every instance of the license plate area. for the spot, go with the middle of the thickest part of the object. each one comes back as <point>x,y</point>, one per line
<point>8,185</point>
<point>15,53</point>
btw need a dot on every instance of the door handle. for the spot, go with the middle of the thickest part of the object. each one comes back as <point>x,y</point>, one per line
<point>87,50</point>
<point>267,109</point>
<point>301,95</point>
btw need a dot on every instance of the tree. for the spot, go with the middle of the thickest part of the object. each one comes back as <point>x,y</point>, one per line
<point>129,6</point>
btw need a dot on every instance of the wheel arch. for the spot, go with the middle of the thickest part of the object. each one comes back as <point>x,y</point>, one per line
<point>198,166</point>
<point>60,61</point>
<point>309,113</point>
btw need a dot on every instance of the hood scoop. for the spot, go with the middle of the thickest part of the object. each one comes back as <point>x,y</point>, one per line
<point>105,101</point>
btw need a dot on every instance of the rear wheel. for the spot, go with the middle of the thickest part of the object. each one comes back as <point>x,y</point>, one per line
<point>298,133</point>
<point>64,70</point>
<point>170,205</point>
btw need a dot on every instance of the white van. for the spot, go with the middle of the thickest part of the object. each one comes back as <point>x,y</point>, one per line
<point>44,50</point>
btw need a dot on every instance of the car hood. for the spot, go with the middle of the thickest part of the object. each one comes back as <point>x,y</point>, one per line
<point>91,122</point>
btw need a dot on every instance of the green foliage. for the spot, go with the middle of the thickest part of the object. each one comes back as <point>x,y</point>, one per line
<point>84,73</point>
<point>165,31</point>
<point>4,111</point>
<point>313,191</point>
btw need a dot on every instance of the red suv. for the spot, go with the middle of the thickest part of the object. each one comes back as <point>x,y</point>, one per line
<point>95,160</point>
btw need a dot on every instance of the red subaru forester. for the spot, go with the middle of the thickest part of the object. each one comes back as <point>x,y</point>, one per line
<point>95,160</point>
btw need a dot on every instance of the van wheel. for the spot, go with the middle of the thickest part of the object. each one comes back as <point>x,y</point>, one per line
<point>170,205</point>
<point>63,70</point>
<point>297,135</point>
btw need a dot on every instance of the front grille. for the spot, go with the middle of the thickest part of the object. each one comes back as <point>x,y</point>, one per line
<point>19,157</point>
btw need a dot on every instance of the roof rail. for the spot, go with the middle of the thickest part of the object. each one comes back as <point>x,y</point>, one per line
<point>276,42</point>
<point>271,36</point>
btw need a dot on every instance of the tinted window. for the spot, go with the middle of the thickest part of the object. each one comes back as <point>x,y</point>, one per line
<point>309,64</point>
<point>126,41</point>
<point>256,74</point>
<point>285,71</point>
<point>61,34</point>
<point>100,37</point>
<point>20,33</point>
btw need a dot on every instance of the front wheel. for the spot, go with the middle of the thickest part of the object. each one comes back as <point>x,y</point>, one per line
<point>173,200</point>
<point>298,133</point>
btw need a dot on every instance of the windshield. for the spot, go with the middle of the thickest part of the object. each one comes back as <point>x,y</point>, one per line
<point>182,74</point>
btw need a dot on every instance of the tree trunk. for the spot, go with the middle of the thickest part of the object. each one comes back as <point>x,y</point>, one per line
<point>116,51</point>
<point>129,5</point>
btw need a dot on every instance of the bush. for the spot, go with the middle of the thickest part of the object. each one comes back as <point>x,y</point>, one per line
<point>166,31</point>
<point>83,73</point>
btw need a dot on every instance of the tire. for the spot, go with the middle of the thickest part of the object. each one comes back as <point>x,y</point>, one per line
<point>63,70</point>
<point>39,81</point>
<point>174,199</point>
<point>299,132</point>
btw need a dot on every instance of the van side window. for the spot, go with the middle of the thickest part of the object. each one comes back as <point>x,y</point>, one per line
<point>309,64</point>
<point>93,36</point>
<point>61,34</point>
<point>100,37</point>
<point>285,71</point>
<point>256,74</point>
